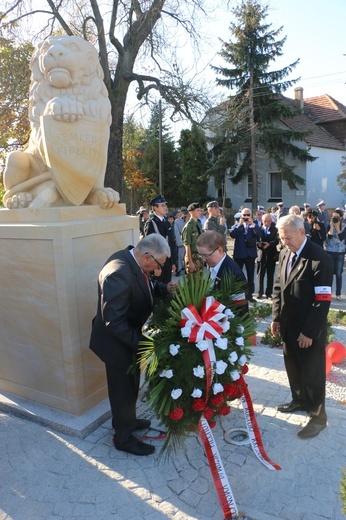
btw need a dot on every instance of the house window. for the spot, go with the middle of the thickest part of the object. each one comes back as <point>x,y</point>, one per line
<point>249,186</point>
<point>275,185</point>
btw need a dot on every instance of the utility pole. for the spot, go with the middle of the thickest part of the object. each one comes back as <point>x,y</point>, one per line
<point>253,146</point>
<point>160,150</point>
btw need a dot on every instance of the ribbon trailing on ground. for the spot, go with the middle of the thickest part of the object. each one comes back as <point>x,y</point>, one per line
<point>218,472</point>
<point>253,429</point>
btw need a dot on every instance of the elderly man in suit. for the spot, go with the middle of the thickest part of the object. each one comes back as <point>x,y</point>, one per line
<point>126,297</point>
<point>302,296</point>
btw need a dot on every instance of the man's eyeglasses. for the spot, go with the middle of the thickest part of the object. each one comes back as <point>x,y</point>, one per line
<point>159,266</point>
<point>208,255</point>
<point>246,215</point>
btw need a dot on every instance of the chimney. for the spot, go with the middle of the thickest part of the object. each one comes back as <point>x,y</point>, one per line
<point>298,94</point>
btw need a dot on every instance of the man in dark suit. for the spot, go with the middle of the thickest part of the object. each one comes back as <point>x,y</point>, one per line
<point>268,255</point>
<point>245,234</point>
<point>159,224</point>
<point>302,296</point>
<point>126,299</point>
<point>210,247</point>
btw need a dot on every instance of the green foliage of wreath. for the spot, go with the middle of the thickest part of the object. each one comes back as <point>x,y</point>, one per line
<point>176,395</point>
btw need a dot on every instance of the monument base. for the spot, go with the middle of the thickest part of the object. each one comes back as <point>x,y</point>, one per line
<point>49,265</point>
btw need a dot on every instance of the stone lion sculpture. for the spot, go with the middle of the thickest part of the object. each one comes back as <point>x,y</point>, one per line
<point>70,116</point>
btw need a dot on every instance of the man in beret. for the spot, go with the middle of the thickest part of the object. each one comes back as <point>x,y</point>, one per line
<point>190,233</point>
<point>158,223</point>
<point>216,221</point>
<point>178,227</point>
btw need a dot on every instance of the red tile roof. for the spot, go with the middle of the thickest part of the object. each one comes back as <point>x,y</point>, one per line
<point>322,109</point>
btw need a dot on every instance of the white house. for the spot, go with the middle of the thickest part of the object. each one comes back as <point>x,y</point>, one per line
<point>326,119</point>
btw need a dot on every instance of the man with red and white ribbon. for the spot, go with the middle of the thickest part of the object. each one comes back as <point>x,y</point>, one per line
<point>302,296</point>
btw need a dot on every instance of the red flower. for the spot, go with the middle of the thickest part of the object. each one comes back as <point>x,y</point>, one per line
<point>208,413</point>
<point>217,399</point>
<point>245,369</point>
<point>224,410</point>
<point>198,405</point>
<point>231,390</point>
<point>176,414</point>
<point>212,424</point>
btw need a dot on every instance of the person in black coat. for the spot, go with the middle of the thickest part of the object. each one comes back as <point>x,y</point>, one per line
<point>301,300</point>
<point>268,255</point>
<point>158,224</point>
<point>314,228</point>
<point>245,234</point>
<point>126,297</point>
<point>210,247</point>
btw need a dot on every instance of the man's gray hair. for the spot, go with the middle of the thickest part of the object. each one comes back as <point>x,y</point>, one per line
<point>293,220</point>
<point>154,244</point>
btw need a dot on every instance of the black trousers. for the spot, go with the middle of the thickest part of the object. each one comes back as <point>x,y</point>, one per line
<point>250,272</point>
<point>266,267</point>
<point>123,393</point>
<point>306,371</point>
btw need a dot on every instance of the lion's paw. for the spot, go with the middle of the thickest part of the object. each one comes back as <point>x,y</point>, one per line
<point>21,200</point>
<point>104,197</point>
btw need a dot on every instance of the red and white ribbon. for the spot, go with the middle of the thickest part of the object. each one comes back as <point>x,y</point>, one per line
<point>208,324</point>
<point>253,429</point>
<point>222,486</point>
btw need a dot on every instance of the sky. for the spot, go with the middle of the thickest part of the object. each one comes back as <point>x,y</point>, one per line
<point>315,31</point>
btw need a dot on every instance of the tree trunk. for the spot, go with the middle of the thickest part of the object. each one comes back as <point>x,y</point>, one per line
<point>253,147</point>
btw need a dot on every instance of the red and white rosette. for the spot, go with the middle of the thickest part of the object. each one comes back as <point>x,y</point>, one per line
<point>208,324</point>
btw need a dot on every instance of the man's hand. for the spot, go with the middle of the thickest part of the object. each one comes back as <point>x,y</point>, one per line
<point>304,341</point>
<point>275,328</point>
<point>171,286</point>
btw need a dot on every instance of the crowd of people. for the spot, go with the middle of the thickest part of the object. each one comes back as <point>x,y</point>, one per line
<point>297,253</point>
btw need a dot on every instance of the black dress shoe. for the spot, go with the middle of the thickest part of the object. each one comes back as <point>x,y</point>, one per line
<point>291,407</point>
<point>143,424</point>
<point>134,446</point>
<point>312,429</point>
<point>251,299</point>
<point>259,296</point>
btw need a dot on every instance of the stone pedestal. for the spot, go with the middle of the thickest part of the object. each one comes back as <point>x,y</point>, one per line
<point>49,265</point>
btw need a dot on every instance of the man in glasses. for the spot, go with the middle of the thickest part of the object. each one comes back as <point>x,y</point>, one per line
<point>210,247</point>
<point>159,224</point>
<point>126,297</point>
<point>246,233</point>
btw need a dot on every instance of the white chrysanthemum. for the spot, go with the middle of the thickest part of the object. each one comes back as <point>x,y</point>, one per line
<point>174,349</point>
<point>239,341</point>
<point>221,343</point>
<point>240,329</point>
<point>235,375</point>
<point>196,393</point>
<point>176,393</point>
<point>167,373</point>
<point>242,360</point>
<point>202,345</point>
<point>229,313</point>
<point>226,326</point>
<point>217,388</point>
<point>198,371</point>
<point>232,358</point>
<point>185,332</point>
<point>220,367</point>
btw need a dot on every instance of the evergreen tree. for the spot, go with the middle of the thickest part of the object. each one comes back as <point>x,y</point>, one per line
<point>194,164</point>
<point>253,114</point>
<point>149,162</point>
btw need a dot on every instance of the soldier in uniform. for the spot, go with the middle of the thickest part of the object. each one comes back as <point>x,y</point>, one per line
<point>190,233</point>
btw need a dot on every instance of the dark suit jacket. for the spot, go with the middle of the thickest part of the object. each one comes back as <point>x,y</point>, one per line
<point>124,305</point>
<point>240,237</point>
<point>230,266</point>
<point>297,302</point>
<point>273,239</point>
